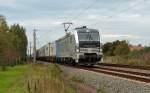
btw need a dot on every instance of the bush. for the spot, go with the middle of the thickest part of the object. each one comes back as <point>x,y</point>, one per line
<point>116,48</point>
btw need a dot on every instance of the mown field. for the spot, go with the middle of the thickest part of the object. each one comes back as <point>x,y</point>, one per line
<point>35,78</point>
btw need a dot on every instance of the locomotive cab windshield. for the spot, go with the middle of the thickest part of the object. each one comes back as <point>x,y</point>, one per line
<point>88,38</point>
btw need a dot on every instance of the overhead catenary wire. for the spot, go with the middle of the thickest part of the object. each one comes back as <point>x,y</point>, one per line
<point>44,33</point>
<point>87,8</point>
<point>121,11</point>
<point>45,37</point>
<point>84,10</point>
<point>81,12</point>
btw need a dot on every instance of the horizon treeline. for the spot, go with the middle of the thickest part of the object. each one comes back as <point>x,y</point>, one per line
<point>13,43</point>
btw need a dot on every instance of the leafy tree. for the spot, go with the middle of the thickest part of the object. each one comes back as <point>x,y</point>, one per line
<point>3,24</point>
<point>116,48</point>
<point>13,43</point>
<point>121,49</point>
<point>108,49</point>
<point>5,44</point>
<point>19,40</point>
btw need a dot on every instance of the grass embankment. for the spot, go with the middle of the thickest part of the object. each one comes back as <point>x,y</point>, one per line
<point>39,78</point>
<point>9,77</point>
<point>126,61</point>
<point>42,79</point>
<point>135,58</point>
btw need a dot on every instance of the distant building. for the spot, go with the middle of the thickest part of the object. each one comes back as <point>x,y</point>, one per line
<point>135,47</point>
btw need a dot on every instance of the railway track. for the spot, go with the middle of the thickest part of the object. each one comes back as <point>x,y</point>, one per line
<point>129,71</point>
<point>142,75</point>
<point>125,66</point>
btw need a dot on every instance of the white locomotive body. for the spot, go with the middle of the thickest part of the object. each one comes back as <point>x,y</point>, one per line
<point>81,47</point>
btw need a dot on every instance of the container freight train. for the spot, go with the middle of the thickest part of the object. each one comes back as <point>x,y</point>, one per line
<point>47,53</point>
<point>81,47</point>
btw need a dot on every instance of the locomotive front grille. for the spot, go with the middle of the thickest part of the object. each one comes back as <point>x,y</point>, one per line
<point>89,57</point>
<point>90,54</point>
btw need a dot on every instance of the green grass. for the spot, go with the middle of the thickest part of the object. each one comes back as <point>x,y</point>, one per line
<point>42,79</point>
<point>9,77</point>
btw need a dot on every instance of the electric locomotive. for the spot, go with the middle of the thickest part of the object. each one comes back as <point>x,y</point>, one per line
<point>82,47</point>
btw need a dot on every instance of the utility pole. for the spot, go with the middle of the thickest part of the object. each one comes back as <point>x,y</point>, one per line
<point>34,45</point>
<point>66,26</point>
<point>30,50</point>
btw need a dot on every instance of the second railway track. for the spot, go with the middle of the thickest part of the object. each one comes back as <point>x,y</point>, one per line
<point>124,73</point>
<point>126,70</point>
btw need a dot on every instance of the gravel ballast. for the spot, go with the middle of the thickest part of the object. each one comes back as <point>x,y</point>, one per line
<point>107,83</point>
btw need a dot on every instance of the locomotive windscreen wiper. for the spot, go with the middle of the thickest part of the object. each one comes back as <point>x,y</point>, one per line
<point>89,36</point>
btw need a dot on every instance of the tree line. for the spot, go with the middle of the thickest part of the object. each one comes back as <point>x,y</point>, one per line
<point>118,52</point>
<point>116,48</point>
<point>13,43</point>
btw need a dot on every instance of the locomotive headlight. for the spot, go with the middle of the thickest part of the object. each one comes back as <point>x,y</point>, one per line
<point>77,50</point>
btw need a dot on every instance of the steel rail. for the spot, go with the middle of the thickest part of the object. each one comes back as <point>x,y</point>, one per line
<point>125,66</point>
<point>126,71</point>
<point>118,73</point>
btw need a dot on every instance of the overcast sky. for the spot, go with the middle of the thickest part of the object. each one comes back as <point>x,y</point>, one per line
<point>115,19</point>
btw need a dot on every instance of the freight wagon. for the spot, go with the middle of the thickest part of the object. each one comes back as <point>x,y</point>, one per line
<point>47,53</point>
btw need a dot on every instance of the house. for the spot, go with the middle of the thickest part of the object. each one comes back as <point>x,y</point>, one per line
<point>135,47</point>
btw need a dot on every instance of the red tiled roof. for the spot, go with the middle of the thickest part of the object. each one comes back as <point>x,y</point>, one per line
<point>135,47</point>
